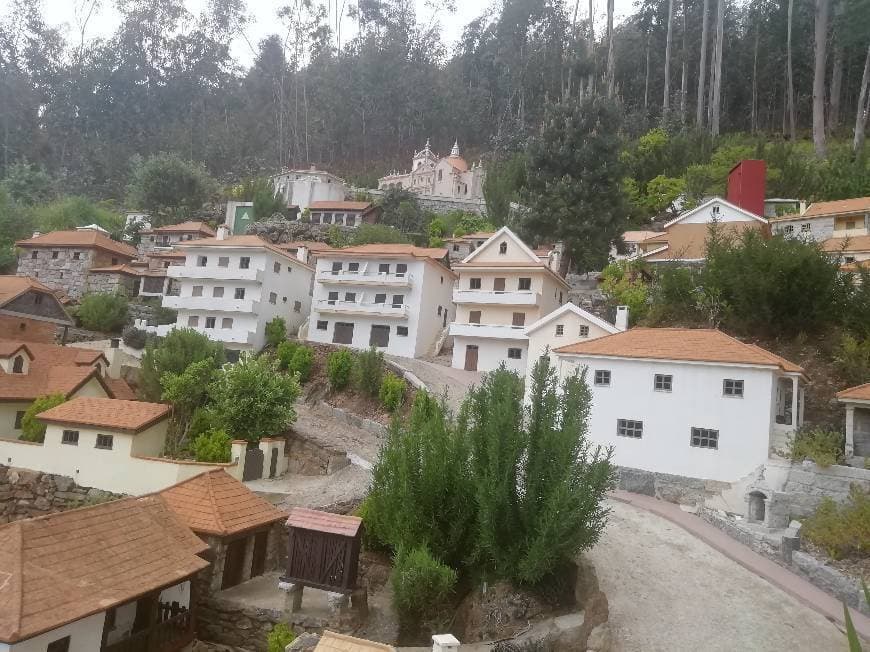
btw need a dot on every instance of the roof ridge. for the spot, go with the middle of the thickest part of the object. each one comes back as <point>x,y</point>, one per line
<point>217,513</point>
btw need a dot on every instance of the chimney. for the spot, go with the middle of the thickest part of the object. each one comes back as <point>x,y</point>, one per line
<point>803,207</point>
<point>444,643</point>
<point>36,234</point>
<point>222,232</point>
<point>621,321</point>
<point>746,186</point>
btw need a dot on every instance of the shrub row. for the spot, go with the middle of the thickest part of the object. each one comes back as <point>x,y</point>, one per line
<point>366,371</point>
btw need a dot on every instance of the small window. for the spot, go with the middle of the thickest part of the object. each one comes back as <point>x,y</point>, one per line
<point>584,331</point>
<point>456,247</point>
<point>439,310</point>
<point>716,210</point>
<point>474,317</point>
<point>322,325</point>
<point>353,267</point>
<point>276,267</point>
<point>849,259</point>
<point>210,322</point>
<point>289,269</point>
<point>297,305</point>
<point>224,261</point>
<point>788,228</point>
<point>193,321</point>
<point>850,225</point>
<point>70,437</point>
<point>663,382</point>
<point>806,228</point>
<point>705,438</point>
<point>197,291</point>
<point>227,322</point>
<point>401,269</point>
<point>217,293</point>
<point>201,261</point>
<point>733,388</point>
<point>18,365</point>
<point>380,298</point>
<point>331,298</point>
<point>515,354</point>
<point>273,298</point>
<point>402,331</point>
<point>561,300</point>
<point>474,283</point>
<point>398,300</point>
<point>525,284</point>
<point>105,442</point>
<point>34,255</point>
<point>502,248</point>
<point>602,377</point>
<point>336,268</point>
<point>244,262</point>
<point>560,330</point>
<point>77,255</point>
<point>519,319</point>
<point>18,417</point>
<point>350,297</point>
<point>54,255</point>
<point>629,428</point>
<point>240,293</point>
<point>60,645</point>
<point>37,299</point>
<point>384,268</point>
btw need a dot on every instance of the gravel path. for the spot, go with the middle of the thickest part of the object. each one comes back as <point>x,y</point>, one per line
<point>440,379</point>
<point>316,425</point>
<point>669,591</point>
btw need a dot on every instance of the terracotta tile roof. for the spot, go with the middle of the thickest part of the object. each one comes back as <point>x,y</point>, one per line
<point>216,503</point>
<point>839,207</point>
<point>341,205</point>
<point>859,393</point>
<point>242,241</point>
<point>186,227</point>
<point>120,389</point>
<point>458,163</point>
<point>689,241</point>
<point>313,245</point>
<point>683,344</point>
<point>165,254</point>
<point>479,235</point>
<point>60,568</point>
<point>383,249</point>
<point>8,348</point>
<point>109,413</point>
<point>638,236</point>
<point>117,269</point>
<point>14,286</point>
<point>85,239</point>
<point>854,243</point>
<point>333,642</point>
<point>312,519</point>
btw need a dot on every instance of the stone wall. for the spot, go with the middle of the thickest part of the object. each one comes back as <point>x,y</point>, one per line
<point>671,488</point>
<point>309,458</point>
<point>807,484</point>
<point>106,283</point>
<point>25,493</point>
<point>66,272</point>
<point>440,204</point>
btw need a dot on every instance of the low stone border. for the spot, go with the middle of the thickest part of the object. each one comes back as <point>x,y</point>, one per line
<point>399,370</point>
<point>671,488</point>
<point>354,420</point>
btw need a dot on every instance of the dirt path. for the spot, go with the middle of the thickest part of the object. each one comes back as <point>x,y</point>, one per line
<point>440,379</point>
<point>669,591</point>
<point>315,425</point>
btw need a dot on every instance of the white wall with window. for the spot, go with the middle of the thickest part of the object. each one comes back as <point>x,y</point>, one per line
<point>565,325</point>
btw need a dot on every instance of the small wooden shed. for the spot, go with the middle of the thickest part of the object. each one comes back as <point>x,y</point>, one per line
<point>323,550</point>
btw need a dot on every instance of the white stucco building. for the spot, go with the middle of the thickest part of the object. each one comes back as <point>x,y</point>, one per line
<point>434,176</point>
<point>304,187</point>
<point>230,287</point>
<point>503,287</point>
<point>689,402</point>
<point>566,325</point>
<point>393,296</point>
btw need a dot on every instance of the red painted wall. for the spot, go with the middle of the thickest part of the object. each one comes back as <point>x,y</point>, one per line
<point>746,186</point>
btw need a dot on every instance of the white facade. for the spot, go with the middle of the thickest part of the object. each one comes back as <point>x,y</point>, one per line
<point>567,325</point>
<point>231,289</point>
<point>303,187</point>
<point>433,176</point>
<point>746,426</point>
<point>399,303</point>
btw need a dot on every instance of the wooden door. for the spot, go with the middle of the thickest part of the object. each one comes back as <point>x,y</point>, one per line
<point>234,563</point>
<point>471,357</point>
<point>273,463</point>
<point>498,284</point>
<point>258,560</point>
<point>380,336</point>
<point>146,613</point>
<point>342,333</point>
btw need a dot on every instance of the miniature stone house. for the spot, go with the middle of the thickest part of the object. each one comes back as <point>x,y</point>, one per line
<point>856,400</point>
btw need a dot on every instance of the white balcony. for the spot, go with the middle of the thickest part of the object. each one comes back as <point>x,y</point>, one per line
<point>493,331</point>
<point>220,304</point>
<point>504,298</point>
<point>215,273</point>
<point>225,335</point>
<point>346,277</point>
<point>359,308</point>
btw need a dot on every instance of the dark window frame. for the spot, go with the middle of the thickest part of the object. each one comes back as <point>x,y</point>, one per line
<point>70,437</point>
<point>663,382</point>
<point>631,428</point>
<point>514,353</point>
<point>735,389</point>
<point>105,442</point>
<point>602,378</point>
<point>704,438</point>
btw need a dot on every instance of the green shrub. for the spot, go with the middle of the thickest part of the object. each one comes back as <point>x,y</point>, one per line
<point>301,363</point>
<point>392,392</point>
<point>285,352</point>
<point>853,360</point>
<point>174,353</point>
<point>422,585</point>
<point>824,447</point>
<point>841,530</point>
<point>339,366</point>
<point>134,337</point>
<point>212,446</point>
<point>32,429</point>
<point>369,371</point>
<point>201,422</point>
<point>164,316</point>
<point>623,285</point>
<point>279,638</point>
<point>276,332</point>
<point>103,312</point>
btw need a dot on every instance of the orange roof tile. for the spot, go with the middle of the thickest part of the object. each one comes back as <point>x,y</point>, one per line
<point>340,205</point>
<point>60,568</point>
<point>313,245</point>
<point>638,236</point>
<point>312,519</point>
<point>689,241</point>
<point>86,239</point>
<point>682,344</point>
<point>8,348</point>
<point>859,393</point>
<point>216,503</point>
<point>189,226</point>
<point>384,249</point>
<point>243,241</point>
<point>839,207</point>
<point>458,163</point>
<point>854,243</point>
<point>12,287</point>
<point>120,389</point>
<point>110,413</point>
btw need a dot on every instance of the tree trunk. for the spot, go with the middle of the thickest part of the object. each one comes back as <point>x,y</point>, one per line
<point>702,68</point>
<point>666,98</point>
<point>590,84</point>
<point>863,107</point>
<point>646,79</point>
<point>790,75</point>
<point>611,63</point>
<point>717,69</point>
<point>753,119</point>
<point>836,72</point>
<point>821,43</point>
<point>684,76</point>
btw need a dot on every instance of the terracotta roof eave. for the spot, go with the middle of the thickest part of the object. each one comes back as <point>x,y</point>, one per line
<point>113,428</point>
<point>223,532</point>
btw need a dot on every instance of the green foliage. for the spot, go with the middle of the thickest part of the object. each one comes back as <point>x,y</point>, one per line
<point>16,223</point>
<point>200,423</point>
<point>661,191</point>
<point>824,447</point>
<point>422,585</point>
<point>623,285</point>
<point>368,372</point>
<point>212,446</point>
<point>32,429</point>
<point>276,332</point>
<point>266,201</point>
<point>377,233</point>
<point>675,295</point>
<point>134,337</point>
<point>337,237</point>
<point>187,391</point>
<point>504,181</point>
<point>173,354</point>
<point>339,367</point>
<point>164,316</point>
<point>103,312</point>
<point>853,360</point>
<point>70,212</point>
<point>842,531</point>
<point>856,304</point>
<point>296,359</point>
<point>279,638</point>
<point>392,392</point>
<point>28,184</point>
<point>285,352</point>
<point>851,633</point>
<point>168,187</point>
<point>401,211</point>
<point>251,400</point>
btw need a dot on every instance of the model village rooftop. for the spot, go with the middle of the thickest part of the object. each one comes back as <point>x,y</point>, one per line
<point>83,238</point>
<point>126,416</point>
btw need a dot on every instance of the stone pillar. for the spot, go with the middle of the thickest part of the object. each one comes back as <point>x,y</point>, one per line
<point>850,431</point>
<point>266,445</point>
<point>238,450</point>
<point>795,388</point>
<point>283,462</point>
<point>293,596</point>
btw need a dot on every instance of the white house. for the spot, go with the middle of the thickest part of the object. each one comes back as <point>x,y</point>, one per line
<point>856,400</point>
<point>230,287</point>
<point>689,402</point>
<point>503,287</point>
<point>111,577</point>
<point>302,188</point>
<point>566,325</point>
<point>825,220</point>
<point>396,297</point>
<point>435,176</point>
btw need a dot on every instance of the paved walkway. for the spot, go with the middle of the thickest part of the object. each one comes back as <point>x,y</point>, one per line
<point>440,379</point>
<point>794,586</point>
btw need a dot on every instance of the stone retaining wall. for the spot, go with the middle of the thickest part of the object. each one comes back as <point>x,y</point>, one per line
<point>671,488</point>
<point>355,420</point>
<point>807,484</point>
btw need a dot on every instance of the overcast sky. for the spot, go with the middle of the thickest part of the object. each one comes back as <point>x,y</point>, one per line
<point>63,13</point>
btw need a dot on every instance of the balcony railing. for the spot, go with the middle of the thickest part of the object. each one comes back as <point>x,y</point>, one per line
<point>220,304</point>
<point>216,334</point>
<point>364,278</point>
<point>498,297</point>
<point>172,633</point>
<point>494,331</point>
<point>360,308</point>
<point>214,272</point>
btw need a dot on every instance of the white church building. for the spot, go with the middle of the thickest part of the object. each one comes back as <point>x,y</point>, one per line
<point>435,176</point>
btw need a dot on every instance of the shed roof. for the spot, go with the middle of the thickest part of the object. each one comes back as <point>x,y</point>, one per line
<point>312,519</point>
<point>340,205</point>
<point>839,207</point>
<point>859,393</point>
<point>190,226</point>
<point>109,413</point>
<point>12,287</point>
<point>333,642</point>
<point>853,243</point>
<point>86,239</point>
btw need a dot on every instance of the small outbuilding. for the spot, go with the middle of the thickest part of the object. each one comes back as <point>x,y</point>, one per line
<point>323,550</point>
<point>857,403</point>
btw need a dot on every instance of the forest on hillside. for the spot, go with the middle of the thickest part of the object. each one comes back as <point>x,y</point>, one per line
<point>165,81</point>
